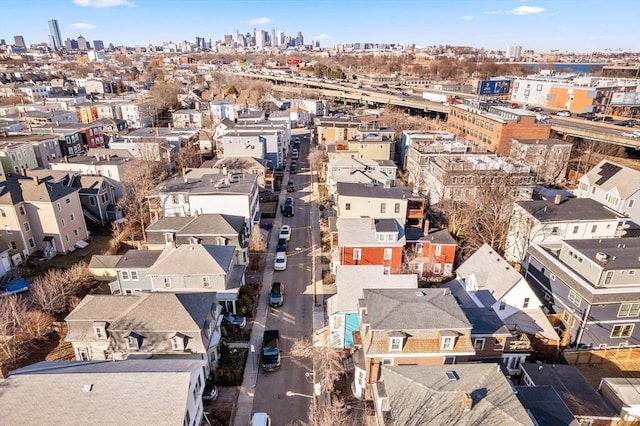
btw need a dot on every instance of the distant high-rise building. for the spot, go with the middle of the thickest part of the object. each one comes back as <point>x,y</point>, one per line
<point>82,43</point>
<point>228,39</point>
<point>261,39</point>
<point>2,42</point>
<point>514,52</point>
<point>56,38</point>
<point>19,41</point>
<point>280,38</point>
<point>299,39</point>
<point>272,41</point>
<point>71,44</point>
<point>98,44</point>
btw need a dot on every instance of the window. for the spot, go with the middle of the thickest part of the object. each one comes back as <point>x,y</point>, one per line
<point>32,243</point>
<point>73,216</point>
<point>575,229</point>
<point>447,343</point>
<point>594,228</point>
<point>67,200</point>
<point>206,282</point>
<point>132,343</point>
<point>395,343</point>
<point>566,316</point>
<point>27,227</point>
<point>631,203</point>
<point>92,201</point>
<point>66,237</point>
<point>177,343</point>
<point>622,330</point>
<point>100,332</point>
<point>386,270</point>
<point>396,208</point>
<point>478,344</point>
<point>347,206</point>
<point>382,237</point>
<point>357,254</point>
<point>2,213</point>
<point>167,282</point>
<point>554,230</point>
<point>608,277</point>
<point>383,207</point>
<point>13,244</point>
<point>387,361</point>
<point>391,237</point>
<point>436,268</point>
<point>175,199</point>
<point>134,276</point>
<point>22,210</point>
<point>418,248</point>
<point>502,305</point>
<point>438,250</point>
<point>64,223</point>
<point>124,275</point>
<point>629,310</point>
<point>59,207</point>
<point>575,298</point>
<point>525,304</point>
<point>75,232</point>
<point>388,253</point>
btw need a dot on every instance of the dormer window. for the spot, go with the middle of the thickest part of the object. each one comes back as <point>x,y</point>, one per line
<point>391,237</point>
<point>168,237</point>
<point>177,342</point>
<point>395,343</point>
<point>206,282</point>
<point>382,237</point>
<point>194,240</point>
<point>133,341</point>
<point>447,340</point>
<point>99,329</point>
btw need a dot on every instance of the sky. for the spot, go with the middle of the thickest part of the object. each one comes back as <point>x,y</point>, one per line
<point>565,25</point>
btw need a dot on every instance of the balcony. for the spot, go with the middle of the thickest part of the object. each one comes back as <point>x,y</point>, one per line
<point>518,342</point>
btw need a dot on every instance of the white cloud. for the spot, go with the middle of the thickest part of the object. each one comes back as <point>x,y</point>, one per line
<point>83,26</point>
<point>101,4</point>
<point>259,21</point>
<point>322,36</point>
<point>526,10</point>
<point>466,17</point>
<point>493,12</point>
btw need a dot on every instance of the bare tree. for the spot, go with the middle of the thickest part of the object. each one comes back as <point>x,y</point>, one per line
<point>13,310</point>
<point>328,362</point>
<point>334,413</point>
<point>53,291</point>
<point>164,95</point>
<point>189,157</point>
<point>257,242</point>
<point>316,161</point>
<point>139,178</point>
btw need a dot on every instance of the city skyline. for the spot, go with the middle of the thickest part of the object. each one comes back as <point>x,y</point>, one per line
<point>537,25</point>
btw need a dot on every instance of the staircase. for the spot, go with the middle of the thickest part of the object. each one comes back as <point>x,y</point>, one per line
<point>91,217</point>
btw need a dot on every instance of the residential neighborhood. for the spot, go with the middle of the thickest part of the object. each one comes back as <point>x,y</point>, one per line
<point>262,230</point>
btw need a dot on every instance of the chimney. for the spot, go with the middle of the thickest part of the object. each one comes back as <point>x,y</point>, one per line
<point>23,171</point>
<point>157,132</point>
<point>184,171</point>
<point>57,123</point>
<point>558,199</point>
<point>66,158</point>
<point>425,227</point>
<point>197,212</point>
<point>173,244</point>
<point>467,402</point>
<point>36,180</point>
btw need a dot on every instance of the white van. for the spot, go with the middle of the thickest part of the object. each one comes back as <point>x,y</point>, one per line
<point>260,419</point>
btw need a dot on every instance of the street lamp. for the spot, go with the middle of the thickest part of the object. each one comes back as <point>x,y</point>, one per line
<point>290,393</point>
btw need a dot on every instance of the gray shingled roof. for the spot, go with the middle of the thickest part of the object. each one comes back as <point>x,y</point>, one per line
<point>409,309</point>
<point>138,259</point>
<point>625,180</point>
<point>485,321</point>
<point>623,252</point>
<point>353,232</point>
<point>569,209</point>
<point>370,191</point>
<point>573,388</point>
<point>546,406</point>
<point>352,279</point>
<point>194,259</point>
<point>491,271</point>
<point>142,392</point>
<point>423,395</point>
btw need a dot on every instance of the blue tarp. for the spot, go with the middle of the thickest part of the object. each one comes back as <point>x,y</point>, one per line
<point>351,324</point>
<point>17,285</point>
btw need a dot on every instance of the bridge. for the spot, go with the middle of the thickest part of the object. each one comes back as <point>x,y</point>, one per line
<point>343,91</point>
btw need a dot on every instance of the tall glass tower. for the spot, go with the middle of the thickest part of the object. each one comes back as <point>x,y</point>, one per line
<point>56,38</point>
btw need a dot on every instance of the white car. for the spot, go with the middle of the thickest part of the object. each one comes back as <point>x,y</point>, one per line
<point>285,233</point>
<point>294,154</point>
<point>630,135</point>
<point>280,262</point>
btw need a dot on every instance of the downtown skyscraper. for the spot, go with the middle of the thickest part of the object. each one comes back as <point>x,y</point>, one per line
<point>55,39</point>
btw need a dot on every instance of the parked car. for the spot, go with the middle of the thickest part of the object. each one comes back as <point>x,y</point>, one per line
<point>543,117</point>
<point>282,245</point>
<point>276,295</point>
<point>631,134</point>
<point>285,233</point>
<point>266,225</point>
<point>627,123</point>
<point>564,113</point>
<point>210,392</point>
<point>280,262</point>
<point>236,320</point>
<point>608,118</point>
<point>535,109</point>
<point>291,187</point>
<point>587,116</point>
<point>287,208</point>
<point>294,168</point>
<point>270,352</point>
<point>260,419</point>
<point>294,154</point>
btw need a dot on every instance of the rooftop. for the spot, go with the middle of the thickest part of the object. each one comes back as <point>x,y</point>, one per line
<point>569,209</point>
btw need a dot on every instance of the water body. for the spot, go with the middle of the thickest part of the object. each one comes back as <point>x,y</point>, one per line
<point>570,67</point>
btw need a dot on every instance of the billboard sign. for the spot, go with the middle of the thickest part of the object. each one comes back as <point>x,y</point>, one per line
<point>293,61</point>
<point>494,87</point>
<point>625,98</point>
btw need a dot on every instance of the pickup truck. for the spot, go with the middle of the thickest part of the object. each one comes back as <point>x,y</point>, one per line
<point>270,352</point>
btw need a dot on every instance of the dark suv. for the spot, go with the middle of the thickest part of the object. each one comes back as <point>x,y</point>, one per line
<point>276,295</point>
<point>282,245</point>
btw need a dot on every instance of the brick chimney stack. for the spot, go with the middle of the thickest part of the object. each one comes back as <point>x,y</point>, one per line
<point>558,199</point>
<point>467,402</point>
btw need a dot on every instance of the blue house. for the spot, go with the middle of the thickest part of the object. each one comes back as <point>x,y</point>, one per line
<point>593,288</point>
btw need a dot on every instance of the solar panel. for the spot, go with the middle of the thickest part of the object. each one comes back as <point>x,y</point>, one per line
<point>452,375</point>
<point>607,171</point>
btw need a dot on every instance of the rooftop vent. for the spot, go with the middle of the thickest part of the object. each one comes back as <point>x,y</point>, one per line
<point>419,293</point>
<point>452,375</point>
<point>602,257</point>
<point>87,388</point>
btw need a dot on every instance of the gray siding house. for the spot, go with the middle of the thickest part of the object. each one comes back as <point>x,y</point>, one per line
<point>592,286</point>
